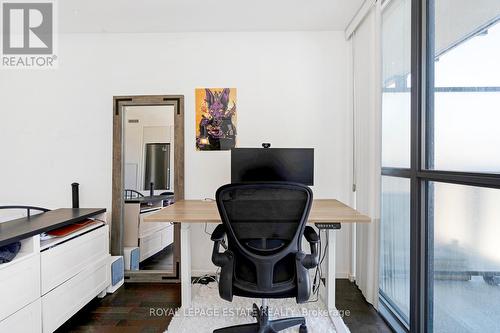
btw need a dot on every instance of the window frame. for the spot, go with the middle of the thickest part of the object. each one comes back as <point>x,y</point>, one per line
<point>420,175</point>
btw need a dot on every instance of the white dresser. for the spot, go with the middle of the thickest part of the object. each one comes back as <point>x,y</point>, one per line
<point>49,281</point>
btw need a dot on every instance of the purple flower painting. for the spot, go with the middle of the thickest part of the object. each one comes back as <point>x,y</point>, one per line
<point>215,118</point>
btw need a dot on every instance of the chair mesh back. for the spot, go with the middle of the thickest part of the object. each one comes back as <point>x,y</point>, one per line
<point>264,219</point>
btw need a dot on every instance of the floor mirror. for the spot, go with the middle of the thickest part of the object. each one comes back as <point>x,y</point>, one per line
<point>148,175</point>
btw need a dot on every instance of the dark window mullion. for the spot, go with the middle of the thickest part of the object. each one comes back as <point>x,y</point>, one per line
<point>421,173</point>
<point>429,89</point>
<point>417,294</point>
<point>397,172</point>
<point>396,313</point>
<point>462,178</point>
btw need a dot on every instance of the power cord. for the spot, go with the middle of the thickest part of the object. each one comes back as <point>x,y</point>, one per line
<point>206,224</point>
<point>205,279</point>
<point>223,243</point>
<point>208,233</point>
<point>318,275</point>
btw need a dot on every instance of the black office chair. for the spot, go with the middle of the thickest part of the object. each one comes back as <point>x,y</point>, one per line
<point>264,224</point>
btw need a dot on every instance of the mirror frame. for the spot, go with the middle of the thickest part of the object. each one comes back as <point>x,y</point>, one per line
<point>117,209</point>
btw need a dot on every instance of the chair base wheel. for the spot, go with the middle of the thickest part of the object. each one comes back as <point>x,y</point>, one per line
<point>264,325</point>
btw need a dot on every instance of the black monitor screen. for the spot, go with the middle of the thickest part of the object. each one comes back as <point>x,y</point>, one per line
<point>272,164</point>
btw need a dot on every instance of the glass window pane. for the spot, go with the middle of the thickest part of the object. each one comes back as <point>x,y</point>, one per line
<point>466,135</point>
<point>465,115</point>
<point>396,59</point>
<point>395,244</point>
<point>466,254</point>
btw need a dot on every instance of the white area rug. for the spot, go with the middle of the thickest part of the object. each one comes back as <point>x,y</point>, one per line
<point>208,312</point>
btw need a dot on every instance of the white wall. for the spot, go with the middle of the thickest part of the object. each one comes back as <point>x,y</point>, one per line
<point>56,126</point>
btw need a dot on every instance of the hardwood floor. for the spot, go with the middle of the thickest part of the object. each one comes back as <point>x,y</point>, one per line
<point>362,315</point>
<point>128,310</point>
<point>162,261</point>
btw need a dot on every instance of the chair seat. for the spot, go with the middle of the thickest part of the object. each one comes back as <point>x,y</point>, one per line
<point>289,292</point>
<point>264,246</point>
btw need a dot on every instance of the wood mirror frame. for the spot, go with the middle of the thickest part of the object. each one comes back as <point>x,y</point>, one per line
<point>119,103</point>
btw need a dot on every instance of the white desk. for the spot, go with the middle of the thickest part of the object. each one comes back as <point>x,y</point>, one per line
<point>189,212</point>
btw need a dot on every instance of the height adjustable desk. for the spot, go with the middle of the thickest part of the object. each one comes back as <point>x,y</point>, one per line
<point>189,212</point>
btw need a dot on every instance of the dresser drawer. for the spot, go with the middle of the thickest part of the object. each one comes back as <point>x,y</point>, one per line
<point>67,299</point>
<point>154,243</point>
<point>28,319</point>
<point>167,236</point>
<point>149,245</point>
<point>19,284</point>
<point>65,260</point>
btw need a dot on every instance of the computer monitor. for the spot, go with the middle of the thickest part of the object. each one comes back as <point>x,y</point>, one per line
<point>272,164</point>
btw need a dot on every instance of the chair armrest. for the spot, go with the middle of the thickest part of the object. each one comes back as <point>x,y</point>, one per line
<point>220,259</point>
<point>311,235</point>
<point>219,233</point>
<point>224,260</point>
<point>311,260</point>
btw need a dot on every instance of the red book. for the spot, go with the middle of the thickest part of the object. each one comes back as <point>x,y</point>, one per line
<point>69,229</point>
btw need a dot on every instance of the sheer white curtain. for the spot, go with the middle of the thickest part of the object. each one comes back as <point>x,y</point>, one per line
<point>367,124</point>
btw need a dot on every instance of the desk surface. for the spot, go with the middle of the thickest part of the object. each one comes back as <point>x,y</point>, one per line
<point>200,211</point>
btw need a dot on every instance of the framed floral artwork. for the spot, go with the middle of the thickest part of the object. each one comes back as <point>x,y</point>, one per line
<point>215,118</point>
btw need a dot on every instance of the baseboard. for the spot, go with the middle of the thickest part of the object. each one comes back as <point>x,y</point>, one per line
<point>201,272</point>
<point>338,323</point>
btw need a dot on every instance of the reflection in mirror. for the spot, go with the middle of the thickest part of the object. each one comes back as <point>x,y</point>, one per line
<point>148,186</point>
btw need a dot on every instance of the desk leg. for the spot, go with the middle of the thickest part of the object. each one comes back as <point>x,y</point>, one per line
<point>337,321</point>
<point>330,282</point>
<point>185,265</point>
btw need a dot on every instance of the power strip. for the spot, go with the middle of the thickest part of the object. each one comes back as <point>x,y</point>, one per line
<point>330,226</point>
